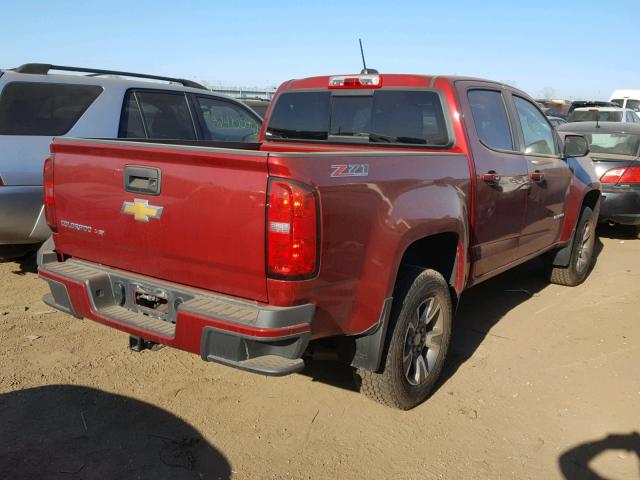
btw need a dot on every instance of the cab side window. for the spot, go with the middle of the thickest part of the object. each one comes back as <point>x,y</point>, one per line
<point>537,132</point>
<point>490,119</point>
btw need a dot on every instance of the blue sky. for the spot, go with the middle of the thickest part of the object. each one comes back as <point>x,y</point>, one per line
<point>578,48</point>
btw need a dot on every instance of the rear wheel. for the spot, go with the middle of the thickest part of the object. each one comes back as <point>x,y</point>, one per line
<point>582,253</point>
<point>417,343</point>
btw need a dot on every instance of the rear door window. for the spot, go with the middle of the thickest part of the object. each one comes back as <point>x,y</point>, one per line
<point>225,121</point>
<point>383,117</point>
<point>537,133</point>
<point>490,119</point>
<point>44,109</point>
<point>166,115</point>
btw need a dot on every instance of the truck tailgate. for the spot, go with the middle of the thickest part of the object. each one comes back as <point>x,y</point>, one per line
<point>204,228</point>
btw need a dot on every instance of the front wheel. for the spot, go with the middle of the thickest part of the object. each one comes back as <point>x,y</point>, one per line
<point>420,331</point>
<point>582,253</point>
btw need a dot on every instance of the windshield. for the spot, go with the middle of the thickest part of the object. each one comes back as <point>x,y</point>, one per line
<point>614,143</point>
<point>593,115</point>
<point>390,117</point>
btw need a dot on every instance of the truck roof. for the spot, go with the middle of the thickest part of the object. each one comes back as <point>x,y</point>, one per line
<point>386,80</point>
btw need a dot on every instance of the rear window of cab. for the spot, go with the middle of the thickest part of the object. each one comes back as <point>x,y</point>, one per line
<point>396,117</point>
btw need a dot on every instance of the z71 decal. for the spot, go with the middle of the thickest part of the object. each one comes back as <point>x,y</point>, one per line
<point>350,170</point>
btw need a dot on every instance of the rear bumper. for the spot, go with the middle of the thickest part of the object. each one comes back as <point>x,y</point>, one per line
<point>621,205</point>
<point>222,329</point>
<point>21,218</point>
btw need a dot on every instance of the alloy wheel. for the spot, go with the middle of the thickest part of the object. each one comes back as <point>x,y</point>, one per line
<point>423,341</point>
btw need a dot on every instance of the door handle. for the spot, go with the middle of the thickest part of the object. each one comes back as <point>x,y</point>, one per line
<point>142,180</point>
<point>537,176</point>
<point>491,177</point>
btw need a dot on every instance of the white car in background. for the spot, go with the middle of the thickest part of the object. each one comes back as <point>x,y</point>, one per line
<point>36,106</point>
<point>627,99</point>
<point>603,114</point>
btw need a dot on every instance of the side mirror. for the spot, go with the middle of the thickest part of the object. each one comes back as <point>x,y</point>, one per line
<point>575,146</point>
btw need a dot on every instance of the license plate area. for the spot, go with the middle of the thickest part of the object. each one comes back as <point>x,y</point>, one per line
<point>151,301</point>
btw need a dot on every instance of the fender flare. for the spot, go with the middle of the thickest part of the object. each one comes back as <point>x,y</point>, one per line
<point>369,347</point>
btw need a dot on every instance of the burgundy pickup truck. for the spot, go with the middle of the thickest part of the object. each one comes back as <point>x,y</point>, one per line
<point>369,205</point>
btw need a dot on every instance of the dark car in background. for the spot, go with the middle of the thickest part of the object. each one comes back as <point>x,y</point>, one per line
<point>615,151</point>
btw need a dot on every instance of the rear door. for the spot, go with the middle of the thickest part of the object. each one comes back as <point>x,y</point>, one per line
<point>502,176</point>
<point>549,177</point>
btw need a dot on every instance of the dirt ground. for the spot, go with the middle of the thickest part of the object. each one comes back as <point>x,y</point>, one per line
<point>543,383</point>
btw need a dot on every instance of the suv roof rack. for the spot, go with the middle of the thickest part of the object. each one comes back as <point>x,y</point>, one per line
<point>43,69</point>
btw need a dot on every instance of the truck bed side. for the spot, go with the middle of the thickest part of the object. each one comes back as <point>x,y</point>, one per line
<point>368,223</point>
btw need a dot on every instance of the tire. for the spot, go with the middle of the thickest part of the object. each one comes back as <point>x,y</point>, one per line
<point>582,257</point>
<point>419,328</point>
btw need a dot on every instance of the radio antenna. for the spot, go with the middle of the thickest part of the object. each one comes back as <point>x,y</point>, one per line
<point>364,63</point>
<point>365,70</point>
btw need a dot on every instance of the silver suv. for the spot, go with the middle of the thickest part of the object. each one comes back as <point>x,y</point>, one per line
<point>36,106</point>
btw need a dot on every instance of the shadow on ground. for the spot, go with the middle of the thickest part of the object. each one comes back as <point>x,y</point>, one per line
<point>618,232</point>
<point>479,310</point>
<point>482,307</point>
<point>70,432</point>
<point>26,264</point>
<point>574,463</point>
<point>24,256</point>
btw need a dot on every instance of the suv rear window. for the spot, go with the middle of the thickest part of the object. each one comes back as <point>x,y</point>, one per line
<point>386,117</point>
<point>43,108</point>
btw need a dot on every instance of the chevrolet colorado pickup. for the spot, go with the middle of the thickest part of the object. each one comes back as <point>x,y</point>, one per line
<point>369,204</point>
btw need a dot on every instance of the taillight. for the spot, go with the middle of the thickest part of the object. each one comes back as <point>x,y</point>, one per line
<point>621,175</point>
<point>631,175</point>
<point>49,199</point>
<point>1,182</point>
<point>292,230</point>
